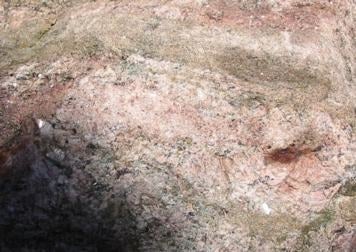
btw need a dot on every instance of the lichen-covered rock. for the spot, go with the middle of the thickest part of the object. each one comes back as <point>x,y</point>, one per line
<point>177,126</point>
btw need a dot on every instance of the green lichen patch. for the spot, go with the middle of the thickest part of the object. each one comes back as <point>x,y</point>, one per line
<point>321,221</point>
<point>349,187</point>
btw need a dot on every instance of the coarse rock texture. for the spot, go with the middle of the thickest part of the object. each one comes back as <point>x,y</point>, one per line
<point>182,125</point>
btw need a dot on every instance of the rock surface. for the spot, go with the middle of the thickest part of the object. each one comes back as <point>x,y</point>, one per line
<point>195,125</point>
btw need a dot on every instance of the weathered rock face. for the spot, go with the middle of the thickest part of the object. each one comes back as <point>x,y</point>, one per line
<point>177,126</point>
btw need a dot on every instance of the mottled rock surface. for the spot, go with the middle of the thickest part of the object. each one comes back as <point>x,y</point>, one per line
<point>183,125</point>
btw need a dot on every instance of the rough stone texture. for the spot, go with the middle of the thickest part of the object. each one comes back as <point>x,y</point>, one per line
<point>177,125</point>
